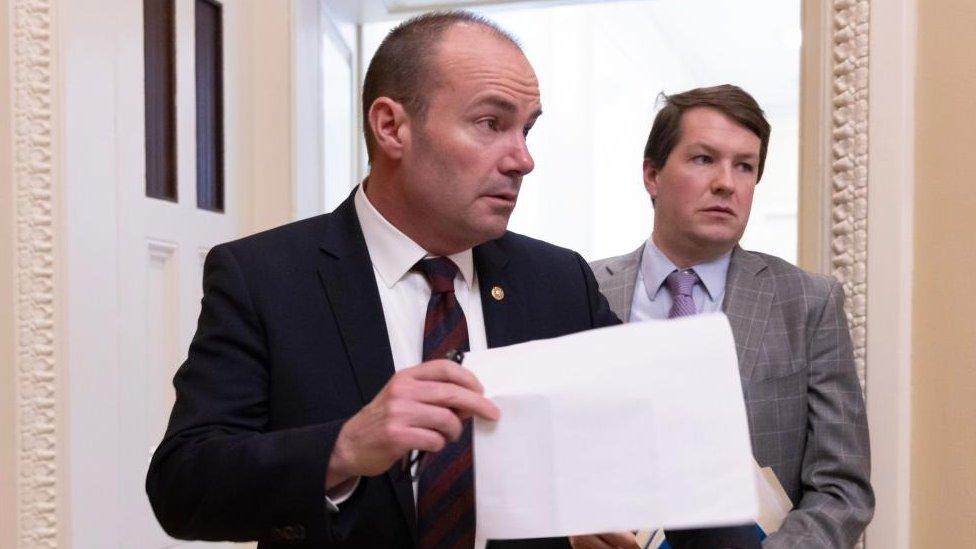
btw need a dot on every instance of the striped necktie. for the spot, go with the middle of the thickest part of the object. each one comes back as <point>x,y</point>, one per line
<point>445,491</point>
<point>680,285</point>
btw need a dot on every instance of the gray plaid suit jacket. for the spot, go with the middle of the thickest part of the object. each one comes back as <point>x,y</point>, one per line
<point>804,402</point>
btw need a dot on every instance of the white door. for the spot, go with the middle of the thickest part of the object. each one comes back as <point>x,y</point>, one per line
<point>134,264</point>
<point>162,246</point>
<point>324,91</point>
<point>340,111</point>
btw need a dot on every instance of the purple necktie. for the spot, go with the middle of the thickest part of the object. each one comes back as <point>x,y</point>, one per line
<point>445,491</point>
<point>680,284</point>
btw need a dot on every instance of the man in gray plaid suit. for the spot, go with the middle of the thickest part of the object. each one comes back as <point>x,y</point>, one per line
<point>703,159</point>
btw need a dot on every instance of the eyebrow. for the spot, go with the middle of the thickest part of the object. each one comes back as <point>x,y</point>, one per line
<point>506,106</point>
<point>498,102</point>
<point>713,151</point>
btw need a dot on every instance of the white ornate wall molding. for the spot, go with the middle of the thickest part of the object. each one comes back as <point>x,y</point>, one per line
<point>850,25</point>
<point>849,164</point>
<point>838,110</point>
<point>32,62</point>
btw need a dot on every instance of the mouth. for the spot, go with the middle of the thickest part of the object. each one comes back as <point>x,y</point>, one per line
<point>504,197</point>
<point>722,210</point>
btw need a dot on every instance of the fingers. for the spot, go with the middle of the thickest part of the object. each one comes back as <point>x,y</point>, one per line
<point>425,440</point>
<point>382,433</point>
<point>447,384</point>
<point>625,540</point>
<point>589,542</point>
<point>445,422</point>
<point>448,371</point>
<point>424,427</point>
<point>464,402</point>
<point>420,408</point>
<point>618,540</point>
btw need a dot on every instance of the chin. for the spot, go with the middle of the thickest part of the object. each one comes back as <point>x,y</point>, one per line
<point>716,241</point>
<point>492,230</point>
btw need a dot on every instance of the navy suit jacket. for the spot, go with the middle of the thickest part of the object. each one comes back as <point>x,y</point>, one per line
<point>290,343</point>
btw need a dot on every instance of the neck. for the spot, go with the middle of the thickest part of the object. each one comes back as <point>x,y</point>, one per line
<point>686,255</point>
<point>383,193</point>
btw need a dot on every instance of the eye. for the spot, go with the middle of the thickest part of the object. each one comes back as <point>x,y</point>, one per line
<point>702,159</point>
<point>746,167</point>
<point>490,124</point>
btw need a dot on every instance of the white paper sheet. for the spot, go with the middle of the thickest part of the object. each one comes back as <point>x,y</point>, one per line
<point>622,428</point>
<point>774,505</point>
<point>774,502</point>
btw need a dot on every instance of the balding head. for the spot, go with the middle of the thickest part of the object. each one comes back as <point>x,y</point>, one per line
<point>405,67</point>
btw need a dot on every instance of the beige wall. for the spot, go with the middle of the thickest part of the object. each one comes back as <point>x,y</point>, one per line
<point>266,74</point>
<point>7,507</point>
<point>944,362</point>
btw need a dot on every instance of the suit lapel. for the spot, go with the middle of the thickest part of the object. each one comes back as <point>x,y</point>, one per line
<point>350,285</point>
<point>504,311</point>
<point>748,298</point>
<point>347,275</point>
<point>621,281</point>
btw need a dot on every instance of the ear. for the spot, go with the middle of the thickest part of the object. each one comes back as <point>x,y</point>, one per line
<point>389,122</point>
<point>650,178</point>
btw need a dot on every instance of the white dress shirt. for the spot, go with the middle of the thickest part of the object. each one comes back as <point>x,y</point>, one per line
<point>404,295</point>
<point>652,300</point>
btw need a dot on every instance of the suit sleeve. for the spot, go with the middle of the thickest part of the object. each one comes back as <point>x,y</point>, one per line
<point>837,500</point>
<point>219,474</point>
<point>600,313</point>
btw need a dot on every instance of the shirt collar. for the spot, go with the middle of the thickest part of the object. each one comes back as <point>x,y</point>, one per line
<point>655,268</point>
<point>393,253</point>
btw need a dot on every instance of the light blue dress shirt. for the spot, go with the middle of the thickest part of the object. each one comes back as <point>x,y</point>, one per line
<point>652,300</point>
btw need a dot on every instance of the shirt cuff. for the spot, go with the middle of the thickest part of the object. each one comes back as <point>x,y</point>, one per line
<point>339,494</point>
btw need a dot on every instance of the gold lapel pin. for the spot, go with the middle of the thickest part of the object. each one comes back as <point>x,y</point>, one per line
<point>498,293</point>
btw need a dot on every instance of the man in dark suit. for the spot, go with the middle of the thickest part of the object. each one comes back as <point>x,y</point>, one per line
<point>702,161</point>
<point>317,371</point>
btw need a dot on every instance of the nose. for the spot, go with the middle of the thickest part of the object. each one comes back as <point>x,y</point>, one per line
<point>723,182</point>
<point>518,161</point>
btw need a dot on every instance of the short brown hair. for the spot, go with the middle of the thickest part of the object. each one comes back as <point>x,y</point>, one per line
<point>401,68</point>
<point>732,101</point>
